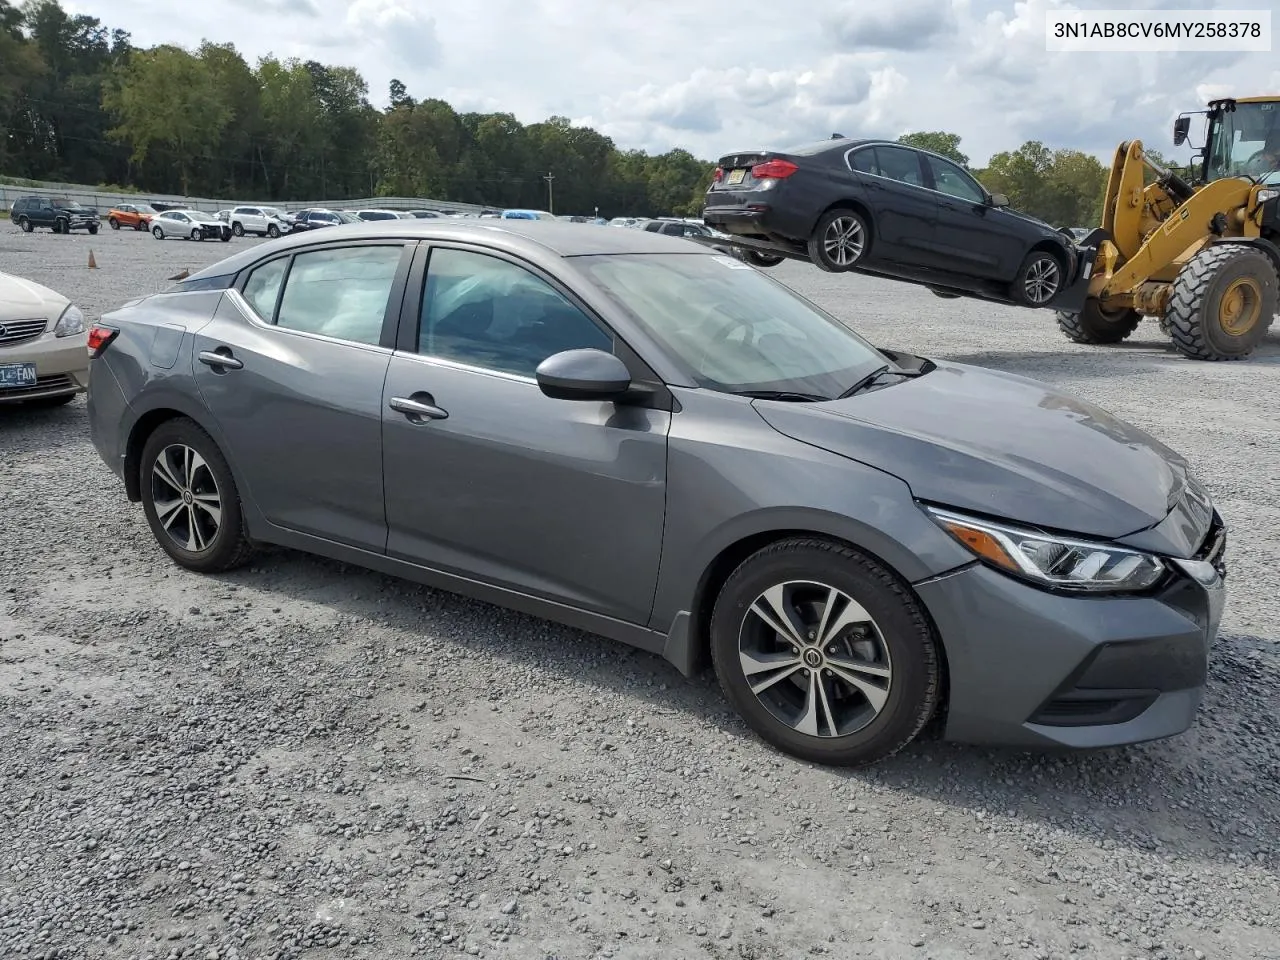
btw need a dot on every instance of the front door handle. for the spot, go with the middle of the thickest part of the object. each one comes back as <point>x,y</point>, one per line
<point>416,410</point>
<point>219,358</point>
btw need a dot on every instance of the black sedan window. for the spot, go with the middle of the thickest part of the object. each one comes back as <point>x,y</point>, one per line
<point>954,182</point>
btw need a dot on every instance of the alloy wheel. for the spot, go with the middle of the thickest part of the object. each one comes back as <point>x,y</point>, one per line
<point>844,241</point>
<point>1041,283</point>
<point>185,494</point>
<point>815,659</point>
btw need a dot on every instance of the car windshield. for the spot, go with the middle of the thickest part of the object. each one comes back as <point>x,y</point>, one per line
<point>735,329</point>
<point>68,205</point>
<point>144,208</point>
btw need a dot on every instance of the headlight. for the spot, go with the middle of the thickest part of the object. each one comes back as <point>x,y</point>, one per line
<point>1050,560</point>
<point>70,323</point>
<point>1265,195</point>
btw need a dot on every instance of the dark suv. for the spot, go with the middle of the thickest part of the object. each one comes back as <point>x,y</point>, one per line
<point>57,213</point>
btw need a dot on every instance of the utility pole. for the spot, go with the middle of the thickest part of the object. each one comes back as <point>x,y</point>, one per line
<point>550,193</point>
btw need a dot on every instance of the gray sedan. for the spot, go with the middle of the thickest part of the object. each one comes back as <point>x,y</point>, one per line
<point>646,439</point>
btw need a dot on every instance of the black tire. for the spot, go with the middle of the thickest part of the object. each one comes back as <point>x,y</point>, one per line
<point>139,225</point>
<point>758,258</point>
<point>62,225</point>
<point>1041,277</point>
<point>157,232</point>
<point>1095,325</point>
<point>93,229</point>
<point>224,236</point>
<point>25,225</point>
<point>857,233</point>
<point>1197,314</point>
<point>238,229</point>
<point>197,233</point>
<point>228,546</point>
<point>902,633</point>
<point>60,400</point>
<point>273,231</point>
<point>113,223</point>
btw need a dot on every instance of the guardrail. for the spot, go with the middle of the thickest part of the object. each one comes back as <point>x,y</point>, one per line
<point>104,200</point>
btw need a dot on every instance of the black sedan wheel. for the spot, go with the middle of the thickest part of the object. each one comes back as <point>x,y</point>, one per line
<point>839,241</point>
<point>825,653</point>
<point>190,499</point>
<point>1039,280</point>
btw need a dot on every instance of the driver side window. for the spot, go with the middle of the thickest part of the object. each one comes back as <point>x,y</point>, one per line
<point>487,312</point>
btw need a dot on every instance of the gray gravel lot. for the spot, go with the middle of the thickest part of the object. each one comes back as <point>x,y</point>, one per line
<point>306,760</point>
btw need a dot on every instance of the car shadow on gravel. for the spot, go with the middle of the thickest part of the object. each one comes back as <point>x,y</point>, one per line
<point>1211,793</point>
<point>1099,361</point>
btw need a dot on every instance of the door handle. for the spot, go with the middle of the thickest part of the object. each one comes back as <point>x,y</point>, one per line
<point>219,358</point>
<point>416,410</point>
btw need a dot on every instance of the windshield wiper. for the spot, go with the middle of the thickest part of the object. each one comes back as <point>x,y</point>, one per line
<point>780,395</point>
<point>871,378</point>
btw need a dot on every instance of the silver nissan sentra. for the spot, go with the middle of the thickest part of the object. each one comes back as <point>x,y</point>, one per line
<point>643,438</point>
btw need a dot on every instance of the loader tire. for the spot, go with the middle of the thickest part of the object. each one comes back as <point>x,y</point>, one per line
<point>1223,301</point>
<point>1098,326</point>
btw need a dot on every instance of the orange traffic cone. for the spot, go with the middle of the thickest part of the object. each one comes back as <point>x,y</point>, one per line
<point>93,264</point>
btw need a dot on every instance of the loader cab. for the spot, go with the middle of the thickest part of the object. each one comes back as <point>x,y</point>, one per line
<point>1242,138</point>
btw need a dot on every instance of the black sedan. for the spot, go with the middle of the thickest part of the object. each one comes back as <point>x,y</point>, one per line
<point>884,208</point>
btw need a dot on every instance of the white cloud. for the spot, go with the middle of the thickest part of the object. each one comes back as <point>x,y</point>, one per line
<point>697,76</point>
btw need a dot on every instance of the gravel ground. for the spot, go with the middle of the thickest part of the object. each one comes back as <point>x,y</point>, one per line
<point>307,760</point>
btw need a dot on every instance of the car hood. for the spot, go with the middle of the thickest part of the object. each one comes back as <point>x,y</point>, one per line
<point>24,300</point>
<point>1002,445</point>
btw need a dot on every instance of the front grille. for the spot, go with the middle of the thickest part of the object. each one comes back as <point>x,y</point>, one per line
<point>19,331</point>
<point>42,385</point>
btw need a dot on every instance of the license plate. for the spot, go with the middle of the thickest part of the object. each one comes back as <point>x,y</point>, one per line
<point>736,177</point>
<point>17,375</point>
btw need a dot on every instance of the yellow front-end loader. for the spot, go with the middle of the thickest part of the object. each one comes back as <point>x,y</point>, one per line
<point>1201,256</point>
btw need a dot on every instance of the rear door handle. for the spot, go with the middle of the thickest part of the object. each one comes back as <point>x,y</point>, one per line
<point>416,410</point>
<point>219,358</point>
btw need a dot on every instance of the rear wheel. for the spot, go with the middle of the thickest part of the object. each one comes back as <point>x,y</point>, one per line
<point>25,225</point>
<point>1096,325</point>
<point>825,653</point>
<point>758,258</point>
<point>840,240</point>
<point>114,223</point>
<point>1224,299</point>
<point>190,499</point>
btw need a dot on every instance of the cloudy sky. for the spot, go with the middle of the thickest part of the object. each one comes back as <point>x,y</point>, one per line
<point>711,77</point>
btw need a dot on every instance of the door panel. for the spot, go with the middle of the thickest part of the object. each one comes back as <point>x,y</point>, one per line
<point>564,500</point>
<point>971,235</point>
<point>301,411</point>
<point>904,211</point>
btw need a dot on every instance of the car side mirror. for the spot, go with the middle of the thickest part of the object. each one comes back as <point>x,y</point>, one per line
<point>999,200</point>
<point>586,374</point>
<point>1181,127</point>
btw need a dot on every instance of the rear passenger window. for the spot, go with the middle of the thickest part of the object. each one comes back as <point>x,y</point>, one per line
<point>263,287</point>
<point>340,293</point>
<point>900,164</point>
<point>864,161</point>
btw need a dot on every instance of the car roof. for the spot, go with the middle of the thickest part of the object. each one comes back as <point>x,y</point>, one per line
<point>513,236</point>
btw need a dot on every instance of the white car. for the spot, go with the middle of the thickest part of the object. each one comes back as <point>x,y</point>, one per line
<point>375,213</point>
<point>263,221</point>
<point>44,356</point>
<point>189,225</point>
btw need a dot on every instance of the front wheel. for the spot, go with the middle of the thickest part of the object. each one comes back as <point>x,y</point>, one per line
<point>25,225</point>
<point>61,226</point>
<point>273,231</point>
<point>1096,325</point>
<point>1039,279</point>
<point>190,499</point>
<point>839,241</point>
<point>238,229</point>
<point>1223,301</point>
<point>826,654</point>
<point>197,233</point>
<point>93,229</point>
<point>158,233</point>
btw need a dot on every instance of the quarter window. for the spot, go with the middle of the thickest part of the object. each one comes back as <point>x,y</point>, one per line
<point>954,182</point>
<point>262,288</point>
<point>340,293</point>
<point>487,312</point>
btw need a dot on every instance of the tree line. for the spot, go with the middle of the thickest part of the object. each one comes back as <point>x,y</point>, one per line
<point>80,103</point>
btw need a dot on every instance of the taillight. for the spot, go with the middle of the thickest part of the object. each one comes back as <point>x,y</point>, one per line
<point>773,170</point>
<point>718,175</point>
<point>100,338</point>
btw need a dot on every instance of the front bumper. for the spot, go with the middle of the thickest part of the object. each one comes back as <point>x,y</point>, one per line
<point>62,366</point>
<point>1031,668</point>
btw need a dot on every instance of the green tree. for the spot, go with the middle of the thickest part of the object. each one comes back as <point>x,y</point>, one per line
<point>167,97</point>
<point>944,144</point>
